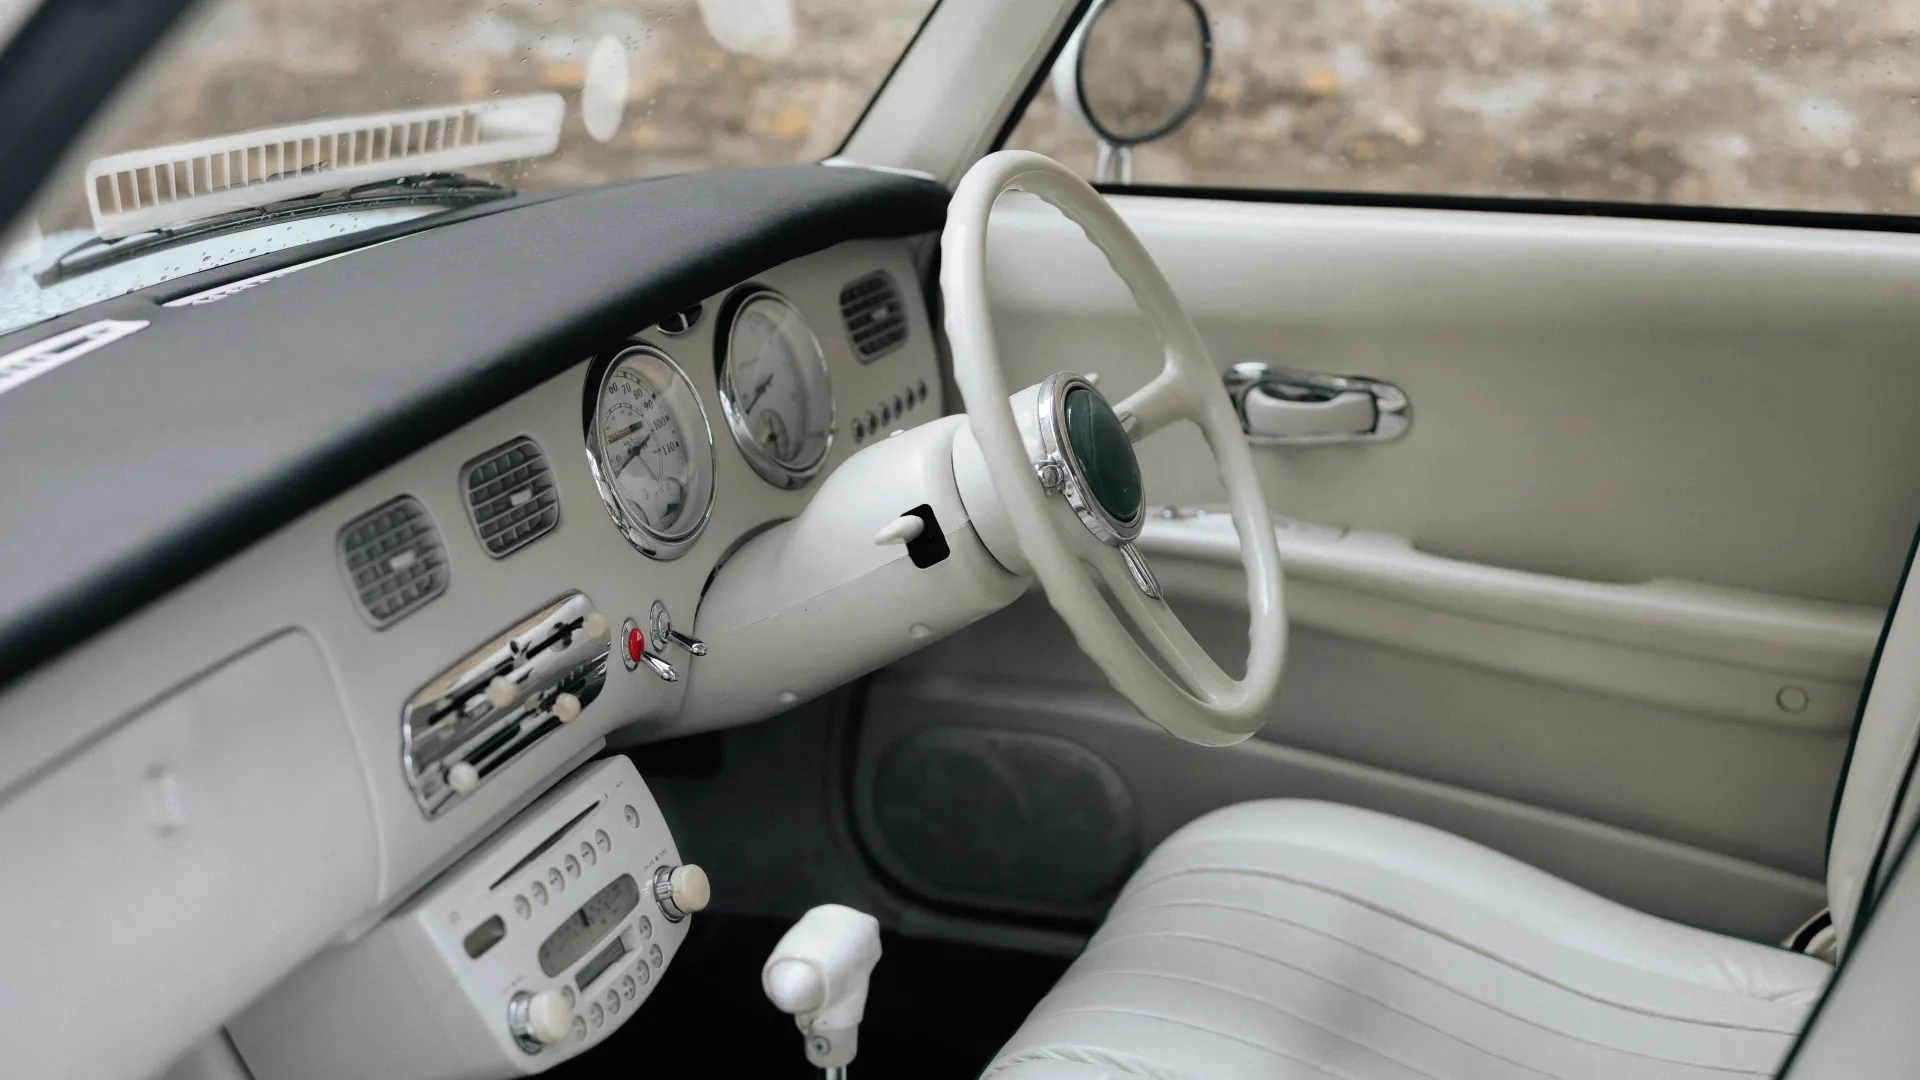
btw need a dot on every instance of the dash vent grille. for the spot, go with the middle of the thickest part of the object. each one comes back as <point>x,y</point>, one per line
<point>875,319</point>
<point>511,497</point>
<point>393,559</point>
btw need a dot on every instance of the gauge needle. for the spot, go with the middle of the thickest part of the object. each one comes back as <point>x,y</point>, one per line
<point>635,455</point>
<point>626,431</point>
<point>759,391</point>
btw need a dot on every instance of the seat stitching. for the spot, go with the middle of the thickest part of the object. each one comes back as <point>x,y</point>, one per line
<point>1437,932</point>
<point>1264,1003</point>
<point>1526,972</point>
<point>1375,1050</point>
<point>1324,1070</point>
<point>1409,1016</point>
<point>1089,1055</point>
<point>1134,886</point>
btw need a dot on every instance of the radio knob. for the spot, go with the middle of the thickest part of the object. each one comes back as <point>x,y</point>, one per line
<point>549,1017</point>
<point>681,891</point>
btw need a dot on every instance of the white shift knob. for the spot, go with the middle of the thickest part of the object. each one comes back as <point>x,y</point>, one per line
<point>819,973</point>
<point>794,986</point>
<point>549,1017</point>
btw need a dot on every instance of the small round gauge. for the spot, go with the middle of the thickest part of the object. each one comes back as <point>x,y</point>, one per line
<point>652,452</point>
<point>775,391</point>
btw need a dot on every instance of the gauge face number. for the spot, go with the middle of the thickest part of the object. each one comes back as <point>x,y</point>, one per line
<point>777,391</point>
<point>645,451</point>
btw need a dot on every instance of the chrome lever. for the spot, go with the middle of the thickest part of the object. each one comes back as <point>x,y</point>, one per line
<point>1281,406</point>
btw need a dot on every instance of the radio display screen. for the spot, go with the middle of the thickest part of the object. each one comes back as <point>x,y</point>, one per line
<point>607,958</point>
<point>599,915</point>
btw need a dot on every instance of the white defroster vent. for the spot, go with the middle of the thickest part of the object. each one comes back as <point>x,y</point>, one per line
<point>393,559</point>
<point>150,189</point>
<point>511,496</point>
<point>876,321</point>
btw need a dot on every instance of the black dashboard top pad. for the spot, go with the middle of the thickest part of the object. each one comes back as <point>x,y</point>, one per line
<point>131,469</point>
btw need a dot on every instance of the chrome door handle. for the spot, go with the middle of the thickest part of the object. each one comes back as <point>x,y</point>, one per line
<point>1280,406</point>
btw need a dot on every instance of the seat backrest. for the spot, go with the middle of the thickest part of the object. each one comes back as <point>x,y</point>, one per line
<point>1879,799</point>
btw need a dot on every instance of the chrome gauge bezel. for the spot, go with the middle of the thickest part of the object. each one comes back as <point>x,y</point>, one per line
<point>645,539</point>
<point>779,473</point>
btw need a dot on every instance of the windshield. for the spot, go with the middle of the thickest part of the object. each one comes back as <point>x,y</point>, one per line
<point>278,103</point>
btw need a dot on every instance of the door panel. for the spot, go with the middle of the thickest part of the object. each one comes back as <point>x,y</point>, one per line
<point>1614,592</point>
<point>1612,400</point>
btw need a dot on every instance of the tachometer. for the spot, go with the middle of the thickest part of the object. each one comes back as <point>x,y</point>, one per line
<point>652,452</point>
<point>775,390</point>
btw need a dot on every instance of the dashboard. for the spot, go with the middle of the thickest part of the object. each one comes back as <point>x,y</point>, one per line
<point>472,550</point>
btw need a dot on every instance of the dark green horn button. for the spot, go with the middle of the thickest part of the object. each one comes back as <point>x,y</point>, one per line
<point>1105,454</point>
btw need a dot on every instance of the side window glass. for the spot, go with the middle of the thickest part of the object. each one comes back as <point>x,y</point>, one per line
<point>1776,104</point>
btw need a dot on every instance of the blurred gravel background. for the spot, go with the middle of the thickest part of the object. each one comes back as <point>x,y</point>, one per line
<point>1809,104</point>
<point>1775,103</point>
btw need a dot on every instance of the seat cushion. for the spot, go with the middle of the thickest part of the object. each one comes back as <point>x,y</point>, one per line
<point>1302,939</point>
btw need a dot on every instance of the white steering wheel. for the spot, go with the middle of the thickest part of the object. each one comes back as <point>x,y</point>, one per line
<point>1062,462</point>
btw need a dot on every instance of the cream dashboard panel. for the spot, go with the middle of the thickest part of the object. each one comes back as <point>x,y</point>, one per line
<point>292,581</point>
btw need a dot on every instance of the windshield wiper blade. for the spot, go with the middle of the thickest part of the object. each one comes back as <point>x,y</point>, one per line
<point>431,189</point>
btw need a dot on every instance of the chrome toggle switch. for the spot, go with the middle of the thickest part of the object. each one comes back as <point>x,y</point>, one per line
<point>692,644</point>
<point>664,633</point>
<point>638,647</point>
<point>660,667</point>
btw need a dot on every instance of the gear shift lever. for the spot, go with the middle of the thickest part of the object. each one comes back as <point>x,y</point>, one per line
<point>818,973</point>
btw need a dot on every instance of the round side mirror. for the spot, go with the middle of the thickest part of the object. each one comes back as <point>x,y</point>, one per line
<point>1133,71</point>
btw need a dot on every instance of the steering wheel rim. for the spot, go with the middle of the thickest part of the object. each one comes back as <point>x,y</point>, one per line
<point>1205,705</point>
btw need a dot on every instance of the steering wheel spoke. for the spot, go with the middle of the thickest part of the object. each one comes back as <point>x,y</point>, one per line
<point>1155,619</point>
<point>1154,406</point>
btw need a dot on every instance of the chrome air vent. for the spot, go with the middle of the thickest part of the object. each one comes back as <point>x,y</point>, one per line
<point>393,559</point>
<point>511,497</point>
<point>875,319</point>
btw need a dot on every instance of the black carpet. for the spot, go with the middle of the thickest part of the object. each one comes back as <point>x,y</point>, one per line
<point>936,1011</point>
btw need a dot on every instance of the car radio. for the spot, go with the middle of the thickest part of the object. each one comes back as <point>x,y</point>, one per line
<point>527,952</point>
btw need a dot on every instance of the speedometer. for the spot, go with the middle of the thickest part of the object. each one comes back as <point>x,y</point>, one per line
<point>652,452</point>
<point>775,391</point>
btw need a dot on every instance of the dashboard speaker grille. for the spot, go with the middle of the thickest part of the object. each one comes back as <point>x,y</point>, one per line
<point>393,559</point>
<point>875,319</point>
<point>511,496</point>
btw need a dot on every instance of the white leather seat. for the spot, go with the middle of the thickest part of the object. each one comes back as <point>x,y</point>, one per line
<point>1286,939</point>
<point>1289,939</point>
